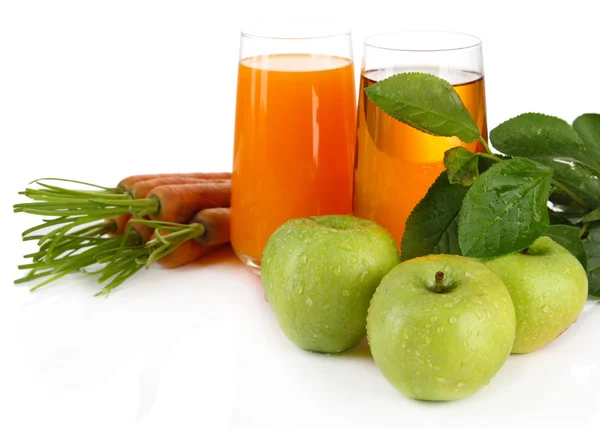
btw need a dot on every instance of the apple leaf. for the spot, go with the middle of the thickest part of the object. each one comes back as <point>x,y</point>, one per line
<point>588,128</point>
<point>505,210</point>
<point>592,248</point>
<point>425,102</point>
<point>565,208</point>
<point>579,178</point>
<point>461,166</point>
<point>569,237</point>
<point>535,135</point>
<point>432,226</point>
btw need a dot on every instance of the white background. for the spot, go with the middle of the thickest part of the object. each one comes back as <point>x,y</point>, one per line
<point>98,90</point>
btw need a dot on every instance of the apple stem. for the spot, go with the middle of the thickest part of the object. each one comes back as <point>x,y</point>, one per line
<point>525,251</point>
<point>439,277</point>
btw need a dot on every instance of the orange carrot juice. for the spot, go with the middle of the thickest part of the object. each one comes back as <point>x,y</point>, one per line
<point>294,144</point>
<point>396,164</point>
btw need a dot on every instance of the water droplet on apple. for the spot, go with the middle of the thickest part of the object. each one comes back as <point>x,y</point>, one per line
<point>337,270</point>
<point>427,340</point>
<point>468,275</point>
<point>309,301</point>
<point>478,334</point>
<point>436,368</point>
<point>405,334</point>
<point>433,319</point>
<point>427,325</point>
<point>346,293</point>
<point>459,385</point>
<point>448,305</point>
<point>440,329</point>
<point>466,342</point>
<point>453,319</point>
<point>545,308</point>
<point>366,263</point>
<point>441,379</point>
<point>495,305</point>
<point>417,353</point>
<point>469,333</point>
<point>403,345</point>
<point>299,290</point>
<point>353,259</point>
<point>361,276</point>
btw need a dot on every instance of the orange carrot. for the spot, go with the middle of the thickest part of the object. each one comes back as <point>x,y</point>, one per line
<point>120,222</point>
<point>179,203</point>
<point>217,225</point>
<point>207,230</point>
<point>186,253</point>
<point>128,182</point>
<point>145,232</point>
<point>141,189</point>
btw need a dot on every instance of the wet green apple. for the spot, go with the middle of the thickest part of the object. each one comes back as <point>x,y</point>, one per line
<point>319,274</point>
<point>548,287</point>
<point>440,326</point>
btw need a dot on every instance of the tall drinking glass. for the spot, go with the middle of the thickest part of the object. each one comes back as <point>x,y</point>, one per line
<point>396,164</point>
<point>294,132</point>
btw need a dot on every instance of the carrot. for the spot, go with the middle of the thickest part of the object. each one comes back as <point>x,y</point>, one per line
<point>120,222</point>
<point>216,223</point>
<point>128,182</point>
<point>186,253</point>
<point>174,244</point>
<point>141,189</point>
<point>178,203</point>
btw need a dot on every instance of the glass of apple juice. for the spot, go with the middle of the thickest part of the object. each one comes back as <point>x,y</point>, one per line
<point>396,164</point>
<point>295,131</point>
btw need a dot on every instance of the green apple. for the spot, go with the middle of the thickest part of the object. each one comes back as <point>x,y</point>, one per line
<point>440,326</point>
<point>548,287</point>
<point>319,274</point>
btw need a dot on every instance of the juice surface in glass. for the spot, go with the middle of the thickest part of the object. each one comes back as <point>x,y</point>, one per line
<point>396,164</point>
<point>294,144</point>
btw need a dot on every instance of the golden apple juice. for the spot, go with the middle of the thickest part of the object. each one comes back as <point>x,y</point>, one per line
<point>396,164</point>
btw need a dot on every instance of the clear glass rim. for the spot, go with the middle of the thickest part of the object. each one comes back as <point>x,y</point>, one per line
<point>295,31</point>
<point>392,41</point>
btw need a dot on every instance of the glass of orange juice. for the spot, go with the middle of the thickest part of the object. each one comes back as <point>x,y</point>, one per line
<point>396,164</point>
<point>295,131</point>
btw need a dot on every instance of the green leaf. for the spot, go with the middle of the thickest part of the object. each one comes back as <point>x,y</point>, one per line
<point>432,227</point>
<point>588,128</point>
<point>594,283</point>
<point>461,165</point>
<point>592,248</point>
<point>425,102</point>
<point>505,210</point>
<point>577,177</point>
<point>591,216</point>
<point>569,237</point>
<point>534,135</point>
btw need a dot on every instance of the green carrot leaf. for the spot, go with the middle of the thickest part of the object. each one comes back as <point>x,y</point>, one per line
<point>425,102</point>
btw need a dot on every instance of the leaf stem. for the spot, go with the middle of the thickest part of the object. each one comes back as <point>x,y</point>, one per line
<point>569,192</point>
<point>485,144</point>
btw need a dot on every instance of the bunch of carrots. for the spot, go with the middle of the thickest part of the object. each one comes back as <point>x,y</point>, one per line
<point>171,219</point>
